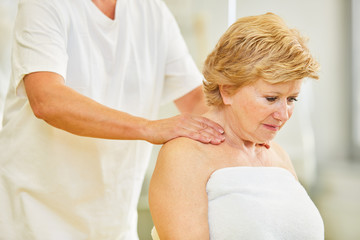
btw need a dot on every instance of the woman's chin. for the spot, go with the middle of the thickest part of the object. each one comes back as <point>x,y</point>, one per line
<point>265,140</point>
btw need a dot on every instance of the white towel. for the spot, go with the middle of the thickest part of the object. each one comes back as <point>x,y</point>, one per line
<point>260,203</point>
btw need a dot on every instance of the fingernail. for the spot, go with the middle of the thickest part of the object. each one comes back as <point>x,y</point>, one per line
<point>217,141</point>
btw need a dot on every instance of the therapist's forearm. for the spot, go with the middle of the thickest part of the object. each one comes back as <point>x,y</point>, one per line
<point>64,108</point>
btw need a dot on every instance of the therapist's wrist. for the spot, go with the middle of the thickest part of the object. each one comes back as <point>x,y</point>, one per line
<point>153,131</point>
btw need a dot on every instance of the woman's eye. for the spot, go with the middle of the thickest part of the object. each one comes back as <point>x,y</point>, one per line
<point>292,99</point>
<point>271,99</point>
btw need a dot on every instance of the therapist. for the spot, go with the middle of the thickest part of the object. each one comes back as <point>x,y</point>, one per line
<point>86,74</point>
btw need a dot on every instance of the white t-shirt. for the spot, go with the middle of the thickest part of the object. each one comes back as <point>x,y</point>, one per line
<point>55,185</point>
<point>8,10</point>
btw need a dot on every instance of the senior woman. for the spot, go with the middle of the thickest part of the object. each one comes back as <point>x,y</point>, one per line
<point>246,187</point>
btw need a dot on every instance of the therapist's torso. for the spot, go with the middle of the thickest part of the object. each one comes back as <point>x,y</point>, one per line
<point>55,185</point>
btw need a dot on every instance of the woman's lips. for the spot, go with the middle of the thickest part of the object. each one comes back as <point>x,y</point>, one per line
<point>271,127</point>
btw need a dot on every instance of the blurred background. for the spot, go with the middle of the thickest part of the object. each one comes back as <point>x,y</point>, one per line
<point>322,138</point>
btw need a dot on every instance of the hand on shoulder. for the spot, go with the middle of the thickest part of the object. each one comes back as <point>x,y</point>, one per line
<point>184,125</point>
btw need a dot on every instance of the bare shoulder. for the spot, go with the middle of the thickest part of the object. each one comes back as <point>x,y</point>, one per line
<point>182,146</point>
<point>177,193</point>
<point>284,158</point>
<point>182,153</point>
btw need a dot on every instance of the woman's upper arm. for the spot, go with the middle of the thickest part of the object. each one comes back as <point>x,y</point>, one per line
<point>177,195</point>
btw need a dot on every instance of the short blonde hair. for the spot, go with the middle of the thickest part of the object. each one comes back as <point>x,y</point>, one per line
<point>253,48</point>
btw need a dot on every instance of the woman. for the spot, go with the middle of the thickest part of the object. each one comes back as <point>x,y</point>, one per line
<point>246,187</point>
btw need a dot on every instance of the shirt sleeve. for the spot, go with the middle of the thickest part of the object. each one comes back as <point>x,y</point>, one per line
<point>39,41</point>
<point>181,72</point>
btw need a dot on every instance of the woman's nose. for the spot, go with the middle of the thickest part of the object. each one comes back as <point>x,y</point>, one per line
<point>282,113</point>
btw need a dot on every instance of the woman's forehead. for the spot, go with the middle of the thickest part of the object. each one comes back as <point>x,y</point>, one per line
<point>282,87</point>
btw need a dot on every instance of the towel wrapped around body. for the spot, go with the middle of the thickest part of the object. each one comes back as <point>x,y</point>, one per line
<point>260,203</point>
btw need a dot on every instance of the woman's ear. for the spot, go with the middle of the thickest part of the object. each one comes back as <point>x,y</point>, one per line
<point>226,94</point>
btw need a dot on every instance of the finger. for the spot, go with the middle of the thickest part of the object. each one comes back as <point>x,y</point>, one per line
<point>198,136</point>
<point>209,123</point>
<point>203,133</point>
<point>206,127</point>
<point>205,137</point>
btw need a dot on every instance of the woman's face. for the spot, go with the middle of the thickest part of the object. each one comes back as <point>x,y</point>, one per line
<point>257,112</point>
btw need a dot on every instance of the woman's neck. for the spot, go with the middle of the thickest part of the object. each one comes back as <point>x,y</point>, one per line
<point>232,135</point>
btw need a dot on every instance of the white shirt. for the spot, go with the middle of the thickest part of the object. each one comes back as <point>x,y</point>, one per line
<point>55,185</point>
<point>7,13</point>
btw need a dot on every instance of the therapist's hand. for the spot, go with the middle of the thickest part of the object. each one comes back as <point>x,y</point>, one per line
<point>185,125</point>
<point>189,123</point>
